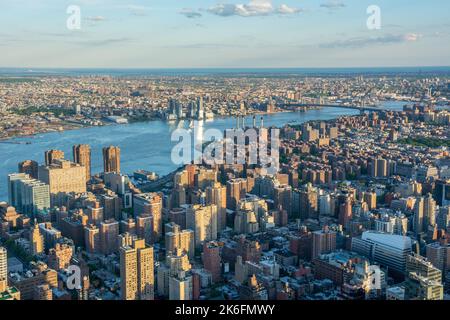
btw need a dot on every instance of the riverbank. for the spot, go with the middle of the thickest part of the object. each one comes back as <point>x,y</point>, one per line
<point>68,126</point>
<point>144,145</point>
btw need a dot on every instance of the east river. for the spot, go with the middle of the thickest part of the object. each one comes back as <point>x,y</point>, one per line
<point>144,145</point>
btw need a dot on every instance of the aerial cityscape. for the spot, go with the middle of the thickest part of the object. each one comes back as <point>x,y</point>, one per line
<point>225,182</point>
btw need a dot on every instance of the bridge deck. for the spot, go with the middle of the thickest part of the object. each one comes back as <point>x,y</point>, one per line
<point>364,108</point>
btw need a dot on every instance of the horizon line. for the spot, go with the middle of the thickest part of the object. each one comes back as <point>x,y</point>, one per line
<point>231,68</point>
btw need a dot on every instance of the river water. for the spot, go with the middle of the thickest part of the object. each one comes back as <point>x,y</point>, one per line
<point>144,145</point>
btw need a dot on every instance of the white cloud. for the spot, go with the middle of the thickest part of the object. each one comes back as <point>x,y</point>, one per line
<point>251,9</point>
<point>381,40</point>
<point>411,37</point>
<point>285,9</point>
<point>190,13</point>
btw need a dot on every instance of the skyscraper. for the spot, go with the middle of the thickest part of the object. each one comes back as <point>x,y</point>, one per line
<point>179,239</point>
<point>3,270</point>
<point>52,155</point>
<point>283,198</point>
<point>111,159</point>
<point>323,241</point>
<point>63,177</point>
<point>442,192</point>
<point>109,231</point>
<point>29,167</point>
<point>387,249</point>
<point>212,259</point>
<point>13,188</point>
<point>419,216</point>
<point>36,240</point>
<point>82,156</point>
<point>92,238</point>
<point>429,209</point>
<point>236,190</point>
<point>217,194</point>
<point>29,196</point>
<point>35,196</point>
<point>181,287</point>
<point>150,204</point>
<point>203,221</point>
<point>137,271</point>
<point>423,280</point>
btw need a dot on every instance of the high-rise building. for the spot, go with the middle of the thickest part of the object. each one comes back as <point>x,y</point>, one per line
<point>429,209</point>
<point>28,195</point>
<point>51,234</point>
<point>217,194</point>
<point>29,167</point>
<point>39,274</point>
<point>109,232</point>
<point>382,168</point>
<point>236,190</point>
<point>144,227</point>
<point>212,259</point>
<point>387,249</point>
<point>59,257</point>
<point>423,280</point>
<point>438,253</point>
<point>176,262</point>
<point>111,159</point>
<point>323,241</point>
<point>371,199</point>
<point>250,212</point>
<point>3,270</point>
<point>179,239</point>
<point>150,204</point>
<point>424,214</point>
<point>178,216</point>
<point>180,287</point>
<point>203,221</point>
<point>52,155</point>
<point>137,271</point>
<point>94,212</point>
<point>36,241</point>
<point>92,239</point>
<point>82,156</point>
<point>128,225</point>
<point>13,188</point>
<point>442,192</point>
<point>419,216</point>
<point>283,198</point>
<point>305,203</point>
<point>63,177</point>
<point>6,292</point>
<point>345,213</point>
<point>112,206</point>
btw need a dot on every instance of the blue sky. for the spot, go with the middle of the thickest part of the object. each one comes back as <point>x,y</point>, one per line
<point>224,33</point>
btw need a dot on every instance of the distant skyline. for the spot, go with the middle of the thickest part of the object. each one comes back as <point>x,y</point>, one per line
<point>223,34</point>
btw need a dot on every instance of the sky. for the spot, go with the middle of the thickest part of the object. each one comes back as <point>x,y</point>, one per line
<point>223,33</point>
